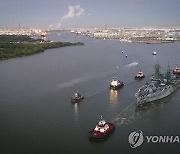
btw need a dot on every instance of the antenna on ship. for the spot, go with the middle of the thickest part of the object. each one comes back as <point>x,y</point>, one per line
<point>168,75</point>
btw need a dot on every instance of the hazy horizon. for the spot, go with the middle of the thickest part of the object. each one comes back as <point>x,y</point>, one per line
<point>78,13</point>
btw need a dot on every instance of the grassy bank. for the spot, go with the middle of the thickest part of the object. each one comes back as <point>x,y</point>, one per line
<point>16,46</point>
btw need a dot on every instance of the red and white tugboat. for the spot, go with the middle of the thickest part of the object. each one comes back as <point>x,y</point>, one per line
<point>116,84</point>
<point>139,75</point>
<point>176,71</point>
<point>77,97</point>
<point>102,130</point>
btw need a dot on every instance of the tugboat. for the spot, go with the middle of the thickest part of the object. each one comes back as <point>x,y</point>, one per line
<point>102,130</point>
<point>139,75</point>
<point>116,84</point>
<point>176,71</point>
<point>154,53</point>
<point>77,97</point>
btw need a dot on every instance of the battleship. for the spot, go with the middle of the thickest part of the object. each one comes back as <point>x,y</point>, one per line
<point>160,86</point>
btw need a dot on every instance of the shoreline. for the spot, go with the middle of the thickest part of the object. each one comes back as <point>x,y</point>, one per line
<point>152,41</point>
<point>21,47</point>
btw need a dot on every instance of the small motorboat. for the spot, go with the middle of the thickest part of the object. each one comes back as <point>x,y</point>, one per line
<point>139,75</point>
<point>154,53</point>
<point>102,130</point>
<point>176,71</point>
<point>116,84</point>
<point>77,97</point>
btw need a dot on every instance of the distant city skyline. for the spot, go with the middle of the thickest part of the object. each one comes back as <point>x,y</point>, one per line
<point>93,13</point>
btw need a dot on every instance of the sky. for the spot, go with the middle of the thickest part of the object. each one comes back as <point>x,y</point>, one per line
<point>89,13</point>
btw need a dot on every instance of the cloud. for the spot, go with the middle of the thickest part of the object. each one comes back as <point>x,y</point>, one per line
<point>73,11</point>
<point>89,14</point>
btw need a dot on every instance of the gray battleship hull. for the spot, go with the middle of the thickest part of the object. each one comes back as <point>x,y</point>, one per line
<point>168,90</point>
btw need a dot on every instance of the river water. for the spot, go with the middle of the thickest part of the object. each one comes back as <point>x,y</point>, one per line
<point>37,116</point>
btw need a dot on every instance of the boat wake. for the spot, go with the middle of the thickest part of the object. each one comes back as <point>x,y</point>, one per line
<point>126,116</point>
<point>125,120</point>
<point>73,82</point>
<point>111,71</point>
<point>131,64</point>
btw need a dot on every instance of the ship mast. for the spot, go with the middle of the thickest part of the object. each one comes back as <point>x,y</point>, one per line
<point>168,74</point>
<point>157,73</point>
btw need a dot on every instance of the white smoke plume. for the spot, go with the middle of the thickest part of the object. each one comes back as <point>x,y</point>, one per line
<point>73,11</point>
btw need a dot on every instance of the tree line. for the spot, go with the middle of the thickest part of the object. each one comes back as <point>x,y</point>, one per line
<point>16,46</point>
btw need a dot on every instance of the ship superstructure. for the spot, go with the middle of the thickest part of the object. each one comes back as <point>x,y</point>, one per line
<point>160,86</point>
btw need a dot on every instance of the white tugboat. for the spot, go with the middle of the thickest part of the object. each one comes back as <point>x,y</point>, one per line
<point>116,84</point>
<point>77,97</point>
<point>102,130</point>
<point>154,53</point>
<point>139,75</point>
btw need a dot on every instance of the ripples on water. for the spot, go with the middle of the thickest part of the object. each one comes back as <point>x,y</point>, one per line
<point>126,116</point>
<point>36,112</point>
<point>95,76</point>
